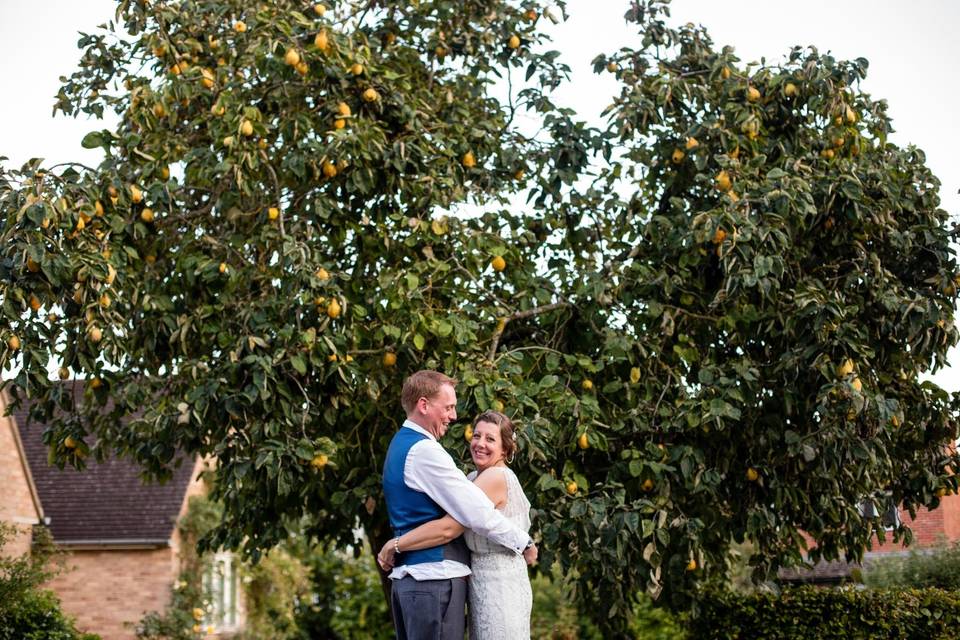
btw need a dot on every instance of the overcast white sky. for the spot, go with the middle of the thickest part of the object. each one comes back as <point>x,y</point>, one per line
<point>912,49</point>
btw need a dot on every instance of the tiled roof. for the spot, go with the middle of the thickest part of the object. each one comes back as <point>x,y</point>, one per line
<point>106,503</point>
<point>822,572</point>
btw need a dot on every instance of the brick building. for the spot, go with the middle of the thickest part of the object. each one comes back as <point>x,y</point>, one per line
<point>120,535</point>
<point>19,502</point>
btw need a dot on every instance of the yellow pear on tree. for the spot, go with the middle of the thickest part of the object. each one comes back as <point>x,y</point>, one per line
<point>321,41</point>
<point>845,368</point>
<point>723,182</point>
<point>333,309</point>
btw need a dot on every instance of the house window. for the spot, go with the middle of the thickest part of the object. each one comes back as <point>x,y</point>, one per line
<point>220,586</point>
<point>889,518</point>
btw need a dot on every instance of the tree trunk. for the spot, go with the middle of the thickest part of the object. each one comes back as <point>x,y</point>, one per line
<point>378,534</point>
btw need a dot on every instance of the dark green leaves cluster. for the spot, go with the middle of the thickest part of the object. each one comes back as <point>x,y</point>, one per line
<point>809,612</point>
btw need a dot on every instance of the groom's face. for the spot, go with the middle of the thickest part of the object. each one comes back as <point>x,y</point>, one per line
<point>439,410</point>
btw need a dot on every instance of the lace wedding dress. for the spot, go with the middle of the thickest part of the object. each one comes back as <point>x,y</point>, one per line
<point>500,595</point>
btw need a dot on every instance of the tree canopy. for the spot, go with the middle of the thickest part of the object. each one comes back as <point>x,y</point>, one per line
<point>709,316</point>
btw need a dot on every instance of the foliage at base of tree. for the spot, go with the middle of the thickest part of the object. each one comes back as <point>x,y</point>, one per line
<point>346,600</point>
<point>936,567</point>
<point>558,616</point>
<point>28,612</point>
<point>809,613</point>
<point>274,591</point>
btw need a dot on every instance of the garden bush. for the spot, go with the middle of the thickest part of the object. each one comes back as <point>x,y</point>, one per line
<point>28,612</point>
<point>938,567</point>
<point>809,613</point>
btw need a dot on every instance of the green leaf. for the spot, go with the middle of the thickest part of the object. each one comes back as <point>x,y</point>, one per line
<point>299,364</point>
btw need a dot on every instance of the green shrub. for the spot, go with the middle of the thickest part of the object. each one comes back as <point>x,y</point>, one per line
<point>28,612</point>
<point>275,589</point>
<point>938,567</point>
<point>808,613</point>
<point>557,617</point>
<point>346,600</point>
<point>36,615</point>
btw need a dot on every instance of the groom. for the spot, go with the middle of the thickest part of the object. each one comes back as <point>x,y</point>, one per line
<point>421,483</point>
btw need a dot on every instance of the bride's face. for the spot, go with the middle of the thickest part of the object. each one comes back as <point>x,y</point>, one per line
<point>486,448</point>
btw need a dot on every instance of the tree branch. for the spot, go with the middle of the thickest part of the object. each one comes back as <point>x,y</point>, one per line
<point>519,315</point>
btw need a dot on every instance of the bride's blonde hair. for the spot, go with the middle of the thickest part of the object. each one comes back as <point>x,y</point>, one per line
<point>508,433</point>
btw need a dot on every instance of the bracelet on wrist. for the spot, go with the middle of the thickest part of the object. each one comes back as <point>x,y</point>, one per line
<point>396,545</point>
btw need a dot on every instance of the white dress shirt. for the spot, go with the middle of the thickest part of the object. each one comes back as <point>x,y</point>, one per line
<point>431,470</point>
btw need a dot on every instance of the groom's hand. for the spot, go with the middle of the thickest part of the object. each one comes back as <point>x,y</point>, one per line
<point>530,554</point>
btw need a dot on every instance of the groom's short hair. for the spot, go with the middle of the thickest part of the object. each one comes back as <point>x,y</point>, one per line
<point>422,384</point>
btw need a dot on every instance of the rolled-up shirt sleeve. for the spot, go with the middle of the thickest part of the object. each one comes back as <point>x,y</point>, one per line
<point>431,470</point>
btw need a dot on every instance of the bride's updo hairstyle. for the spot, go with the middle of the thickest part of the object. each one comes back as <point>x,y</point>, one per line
<point>508,433</point>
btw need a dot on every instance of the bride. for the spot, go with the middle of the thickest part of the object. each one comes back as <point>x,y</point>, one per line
<point>499,595</point>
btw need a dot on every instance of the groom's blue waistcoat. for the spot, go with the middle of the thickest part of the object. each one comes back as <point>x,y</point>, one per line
<point>408,509</point>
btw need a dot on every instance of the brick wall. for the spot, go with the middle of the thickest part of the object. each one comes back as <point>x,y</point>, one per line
<point>950,505</point>
<point>108,591</point>
<point>17,506</point>
<point>930,527</point>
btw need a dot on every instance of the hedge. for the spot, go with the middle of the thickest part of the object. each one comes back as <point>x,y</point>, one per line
<point>809,613</point>
<point>36,615</point>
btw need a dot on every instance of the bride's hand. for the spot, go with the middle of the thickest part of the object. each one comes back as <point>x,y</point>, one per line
<point>530,554</point>
<point>386,556</point>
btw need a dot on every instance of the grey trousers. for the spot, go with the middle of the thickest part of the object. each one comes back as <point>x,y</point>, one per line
<point>429,609</point>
